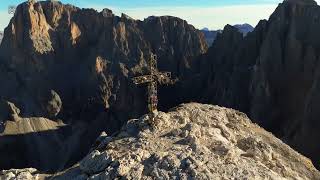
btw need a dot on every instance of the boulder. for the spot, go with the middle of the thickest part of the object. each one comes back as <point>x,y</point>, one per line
<point>8,111</point>
<point>95,162</point>
<point>54,104</point>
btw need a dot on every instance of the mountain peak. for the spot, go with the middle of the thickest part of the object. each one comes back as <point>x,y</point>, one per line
<point>205,29</point>
<point>302,2</point>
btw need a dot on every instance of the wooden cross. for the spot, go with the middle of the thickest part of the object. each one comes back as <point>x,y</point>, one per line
<point>152,79</point>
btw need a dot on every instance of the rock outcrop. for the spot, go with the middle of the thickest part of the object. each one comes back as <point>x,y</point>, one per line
<point>60,62</point>
<point>272,74</point>
<point>1,36</point>
<point>23,174</point>
<point>192,141</point>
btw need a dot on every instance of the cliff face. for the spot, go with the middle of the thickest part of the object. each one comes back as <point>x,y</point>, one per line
<point>192,141</point>
<point>1,36</point>
<point>272,73</point>
<point>61,62</point>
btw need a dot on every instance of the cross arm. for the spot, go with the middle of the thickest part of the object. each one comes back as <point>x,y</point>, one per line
<point>142,79</point>
<point>164,77</point>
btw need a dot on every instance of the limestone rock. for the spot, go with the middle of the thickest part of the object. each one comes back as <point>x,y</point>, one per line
<point>95,162</point>
<point>8,111</point>
<point>30,125</point>
<point>192,141</point>
<point>271,74</point>
<point>102,140</point>
<point>54,104</point>
<point>88,58</point>
<point>21,174</point>
<point>13,109</point>
<point>196,141</point>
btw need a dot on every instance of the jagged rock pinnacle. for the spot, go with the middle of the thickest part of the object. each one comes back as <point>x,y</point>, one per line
<point>303,2</point>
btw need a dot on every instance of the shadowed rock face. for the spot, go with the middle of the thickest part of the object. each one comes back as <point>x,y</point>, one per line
<point>272,74</point>
<point>61,62</point>
<point>210,36</point>
<point>1,36</point>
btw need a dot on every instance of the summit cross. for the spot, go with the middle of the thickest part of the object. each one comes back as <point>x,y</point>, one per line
<point>152,79</point>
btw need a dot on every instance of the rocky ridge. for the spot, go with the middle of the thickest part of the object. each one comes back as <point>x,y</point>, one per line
<point>191,141</point>
<point>271,74</point>
<point>63,63</point>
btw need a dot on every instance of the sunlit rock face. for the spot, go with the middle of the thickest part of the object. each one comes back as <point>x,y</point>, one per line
<point>63,63</point>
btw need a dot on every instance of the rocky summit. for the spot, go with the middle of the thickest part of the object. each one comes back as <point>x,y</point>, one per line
<point>192,141</point>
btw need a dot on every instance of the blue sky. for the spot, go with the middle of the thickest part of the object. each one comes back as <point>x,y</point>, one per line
<point>152,3</point>
<point>213,14</point>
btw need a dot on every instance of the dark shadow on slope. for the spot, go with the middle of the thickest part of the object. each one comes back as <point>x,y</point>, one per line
<point>52,150</point>
<point>26,150</point>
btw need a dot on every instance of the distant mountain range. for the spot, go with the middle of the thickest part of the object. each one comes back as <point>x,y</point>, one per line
<point>210,36</point>
<point>244,28</point>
